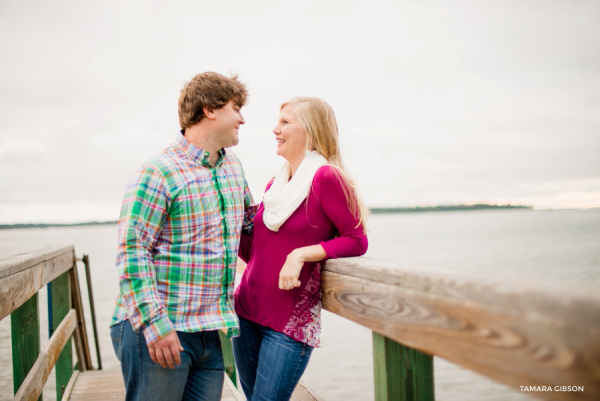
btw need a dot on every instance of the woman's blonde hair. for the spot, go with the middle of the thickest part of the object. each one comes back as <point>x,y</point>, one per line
<point>318,120</point>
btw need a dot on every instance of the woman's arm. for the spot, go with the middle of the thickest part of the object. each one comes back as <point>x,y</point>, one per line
<point>288,277</point>
<point>351,240</point>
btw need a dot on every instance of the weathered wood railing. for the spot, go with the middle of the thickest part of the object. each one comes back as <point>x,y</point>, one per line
<point>517,331</point>
<point>21,277</point>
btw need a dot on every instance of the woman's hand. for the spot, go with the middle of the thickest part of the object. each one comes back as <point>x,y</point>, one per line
<point>288,277</point>
<point>290,272</point>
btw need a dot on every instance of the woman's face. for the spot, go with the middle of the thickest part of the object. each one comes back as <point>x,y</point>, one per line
<point>290,135</point>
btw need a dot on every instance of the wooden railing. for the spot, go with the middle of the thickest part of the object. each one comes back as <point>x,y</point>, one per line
<point>21,277</point>
<point>517,331</point>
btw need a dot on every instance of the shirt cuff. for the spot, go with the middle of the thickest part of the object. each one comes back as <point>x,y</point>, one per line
<point>329,253</point>
<point>158,329</point>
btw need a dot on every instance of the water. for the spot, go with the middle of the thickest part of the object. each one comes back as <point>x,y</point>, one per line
<point>562,245</point>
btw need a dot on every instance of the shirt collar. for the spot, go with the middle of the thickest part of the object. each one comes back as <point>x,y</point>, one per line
<point>196,153</point>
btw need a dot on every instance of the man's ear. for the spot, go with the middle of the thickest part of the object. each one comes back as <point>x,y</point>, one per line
<point>209,113</point>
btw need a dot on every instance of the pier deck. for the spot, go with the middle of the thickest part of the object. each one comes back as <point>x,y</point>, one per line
<point>107,385</point>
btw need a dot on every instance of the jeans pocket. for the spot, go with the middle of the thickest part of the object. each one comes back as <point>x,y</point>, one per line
<point>116,333</point>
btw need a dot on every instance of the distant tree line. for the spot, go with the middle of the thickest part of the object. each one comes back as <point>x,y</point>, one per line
<point>374,210</point>
<point>444,208</point>
<point>41,225</point>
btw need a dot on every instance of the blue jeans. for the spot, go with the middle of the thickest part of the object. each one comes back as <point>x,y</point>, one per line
<point>270,364</point>
<point>198,377</point>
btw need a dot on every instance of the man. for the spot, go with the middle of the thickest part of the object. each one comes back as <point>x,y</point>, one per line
<point>179,231</point>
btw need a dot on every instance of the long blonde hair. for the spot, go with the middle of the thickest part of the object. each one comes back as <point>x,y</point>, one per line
<point>318,120</point>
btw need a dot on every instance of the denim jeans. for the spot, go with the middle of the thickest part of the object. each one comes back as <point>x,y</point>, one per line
<point>270,364</point>
<point>198,377</point>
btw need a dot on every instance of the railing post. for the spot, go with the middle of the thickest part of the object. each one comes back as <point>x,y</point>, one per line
<point>88,277</point>
<point>25,332</point>
<point>228,358</point>
<point>401,373</point>
<point>61,305</point>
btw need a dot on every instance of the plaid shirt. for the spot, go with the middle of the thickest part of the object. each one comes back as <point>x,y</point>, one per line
<point>179,232</point>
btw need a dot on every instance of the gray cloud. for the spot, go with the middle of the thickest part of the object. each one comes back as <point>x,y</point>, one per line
<point>436,103</point>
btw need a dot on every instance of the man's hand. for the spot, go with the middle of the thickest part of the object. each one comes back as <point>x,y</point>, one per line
<point>166,351</point>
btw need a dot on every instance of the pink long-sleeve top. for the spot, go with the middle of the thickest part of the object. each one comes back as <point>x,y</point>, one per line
<point>323,219</point>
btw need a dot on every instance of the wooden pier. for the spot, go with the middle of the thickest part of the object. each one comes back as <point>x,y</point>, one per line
<point>517,331</point>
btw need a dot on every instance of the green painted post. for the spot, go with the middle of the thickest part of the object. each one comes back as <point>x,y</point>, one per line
<point>61,304</point>
<point>401,373</point>
<point>25,334</point>
<point>228,357</point>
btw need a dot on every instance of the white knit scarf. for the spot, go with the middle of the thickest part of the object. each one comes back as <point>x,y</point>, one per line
<point>284,197</point>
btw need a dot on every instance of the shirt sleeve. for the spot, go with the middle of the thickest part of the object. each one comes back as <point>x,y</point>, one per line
<point>250,209</point>
<point>143,213</point>
<point>351,240</point>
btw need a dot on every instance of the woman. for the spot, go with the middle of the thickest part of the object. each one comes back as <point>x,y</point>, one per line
<point>310,212</point>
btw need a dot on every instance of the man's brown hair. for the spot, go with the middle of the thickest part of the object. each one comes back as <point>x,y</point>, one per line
<point>211,90</point>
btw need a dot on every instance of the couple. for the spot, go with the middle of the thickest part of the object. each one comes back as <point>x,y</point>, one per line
<point>188,213</point>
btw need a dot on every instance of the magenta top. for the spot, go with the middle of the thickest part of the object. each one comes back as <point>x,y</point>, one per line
<point>323,219</point>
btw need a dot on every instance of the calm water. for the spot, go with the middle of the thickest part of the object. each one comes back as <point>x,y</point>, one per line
<point>562,245</point>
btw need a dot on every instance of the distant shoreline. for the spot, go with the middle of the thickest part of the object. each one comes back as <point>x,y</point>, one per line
<point>374,210</point>
<point>43,225</point>
<point>444,208</point>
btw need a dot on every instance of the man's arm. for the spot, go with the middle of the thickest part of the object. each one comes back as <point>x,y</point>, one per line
<point>143,213</point>
<point>250,209</point>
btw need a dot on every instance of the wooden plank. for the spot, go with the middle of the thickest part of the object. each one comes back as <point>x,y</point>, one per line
<point>99,385</point>
<point>79,351</point>
<point>577,304</point>
<point>88,279</point>
<point>70,386</point>
<point>25,335</point>
<point>86,362</point>
<point>17,288</point>
<point>61,306</point>
<point>33,385</point>
<point>512,347</point>
<point>303,392</point>
<point>107,385</point>
<point>401,373</point>
<point>230,392</point>
<point>24,261</point>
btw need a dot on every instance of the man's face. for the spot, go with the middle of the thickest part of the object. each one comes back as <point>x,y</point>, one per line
<point>227,122</point>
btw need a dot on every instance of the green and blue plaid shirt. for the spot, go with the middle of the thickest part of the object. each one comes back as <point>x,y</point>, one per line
<point>179,233</point>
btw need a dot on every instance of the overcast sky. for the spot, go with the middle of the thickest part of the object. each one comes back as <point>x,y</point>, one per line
<point>437,102</point>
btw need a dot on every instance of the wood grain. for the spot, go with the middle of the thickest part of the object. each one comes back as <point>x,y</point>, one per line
<point>22,283</point>
<point>70,386</point>
<point>15,290</point>
<point>578,304</point>
<point>38,375</point>
<point>510,346</point>
<point>24,261</point>
<point>304,393</point>
<point>230,392</point>
<point>25,339</point>
<point>86,362</point>
<point>107,385</point>
<point>33,385</point>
